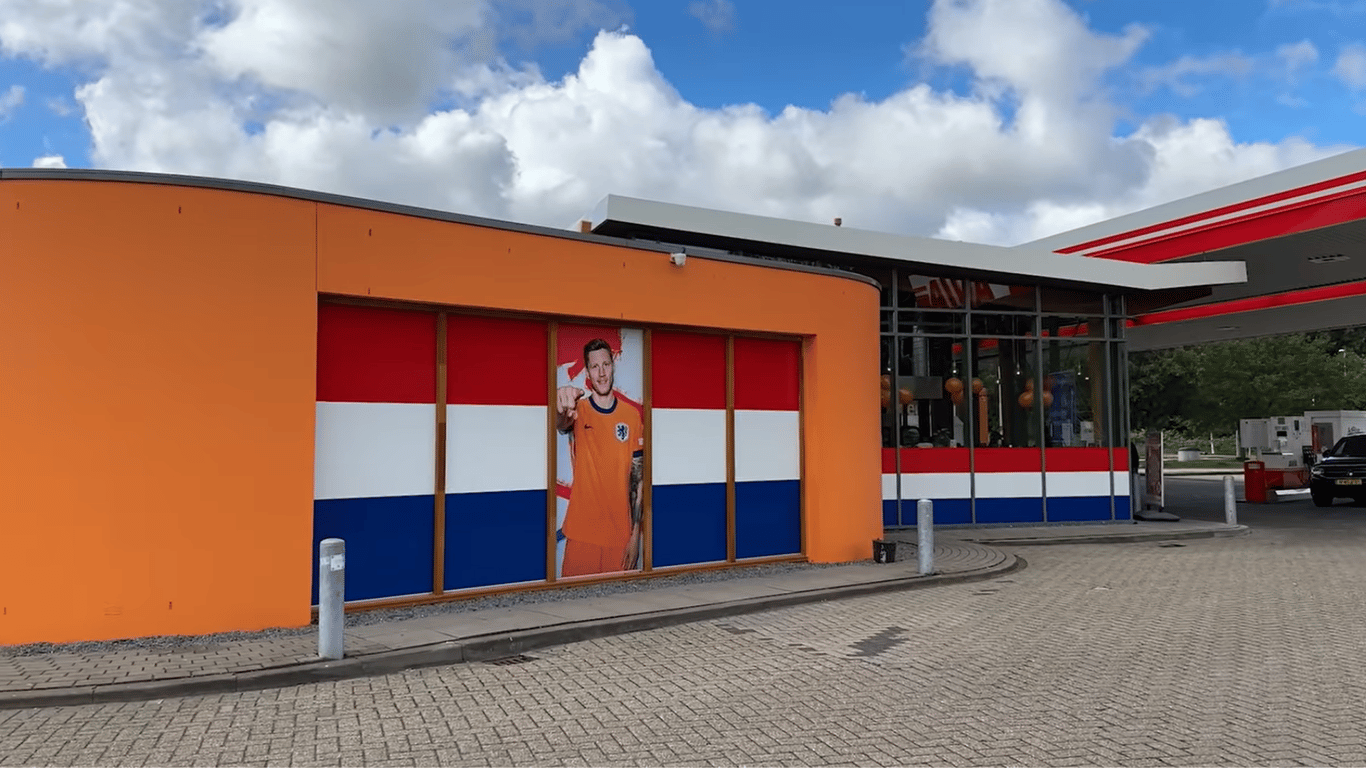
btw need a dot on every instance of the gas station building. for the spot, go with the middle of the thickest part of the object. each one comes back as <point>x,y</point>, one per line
<point>208,377</point>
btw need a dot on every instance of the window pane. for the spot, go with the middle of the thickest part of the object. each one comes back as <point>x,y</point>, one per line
<point>992,325</point>
<point>912,321</point>
<point>920,292</point>
<point>1116,395</point>
<point>930,396</point>
<point>1002,298</point>
<point>890,407</point>
<point>1009,381</point>
<point>1067,327</point>
<point>1074,395</point>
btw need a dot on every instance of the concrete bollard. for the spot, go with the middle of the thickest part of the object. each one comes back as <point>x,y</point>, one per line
<point>331,596</point>
<point>924,520</point>
<point>1230,503</point>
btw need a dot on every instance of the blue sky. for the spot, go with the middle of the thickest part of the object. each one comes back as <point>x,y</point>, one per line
<point>1286,78</point>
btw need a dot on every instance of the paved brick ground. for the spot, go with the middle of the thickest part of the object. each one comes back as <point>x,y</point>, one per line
<point>73,666</point>
<point>1236,651</point>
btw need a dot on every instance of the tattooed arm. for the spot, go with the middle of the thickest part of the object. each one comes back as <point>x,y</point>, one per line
<point>636,494</point>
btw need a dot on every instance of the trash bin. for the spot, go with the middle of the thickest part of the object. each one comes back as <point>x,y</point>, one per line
<point>1254,481</point>
<point>884,551</point>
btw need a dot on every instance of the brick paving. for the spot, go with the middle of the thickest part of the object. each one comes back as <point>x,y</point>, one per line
<point>216,656</point>
<point>1228,651</point>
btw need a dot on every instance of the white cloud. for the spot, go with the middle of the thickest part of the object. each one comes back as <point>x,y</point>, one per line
<point>1175,75</point>
<point>416,103</point>
<point>718,16</point>
<point>1297,55</point>
<point>49,161</point>
<point>11,100</point>
<point>61,106</point>
<point>1351,66</point>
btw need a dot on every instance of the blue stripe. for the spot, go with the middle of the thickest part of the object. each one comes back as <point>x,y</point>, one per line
<point>1025,510</point>
<point>1122,508</point>
<point>689,523</point>
<point>389,543</point>
<point>1075,509</point>
<point>495,538</point>
<point>889,514</point>
<point>768,518</point>
<point>945,511</point>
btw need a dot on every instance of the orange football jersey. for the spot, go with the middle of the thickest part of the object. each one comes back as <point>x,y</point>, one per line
<point>602,445</point>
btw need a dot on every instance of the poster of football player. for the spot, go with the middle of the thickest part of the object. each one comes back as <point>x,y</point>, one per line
<point>600,468</point>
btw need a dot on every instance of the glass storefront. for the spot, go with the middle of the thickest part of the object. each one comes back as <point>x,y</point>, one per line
<point>1001,403</point>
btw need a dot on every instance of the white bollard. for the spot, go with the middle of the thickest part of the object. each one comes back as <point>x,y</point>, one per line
<point>924,520</point>
<point>331,592</point>
<point>1230,503</point>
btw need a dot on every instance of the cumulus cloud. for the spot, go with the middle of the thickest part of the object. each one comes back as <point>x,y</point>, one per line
<point>49,161</point>
<point>718,16</point>
<point>311,93</point>
<point>1351,66</point>
<point>10,100</point>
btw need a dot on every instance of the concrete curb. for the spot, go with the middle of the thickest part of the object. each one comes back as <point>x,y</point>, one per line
<point>479,648</point>
<point>1119,538</point>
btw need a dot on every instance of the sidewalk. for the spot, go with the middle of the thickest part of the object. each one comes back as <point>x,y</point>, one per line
<point>156,668</point>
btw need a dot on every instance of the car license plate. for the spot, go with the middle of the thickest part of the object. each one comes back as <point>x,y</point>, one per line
<point>1350,481</point>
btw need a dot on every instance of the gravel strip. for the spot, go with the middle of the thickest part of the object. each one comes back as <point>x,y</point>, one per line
<point>200,643</point>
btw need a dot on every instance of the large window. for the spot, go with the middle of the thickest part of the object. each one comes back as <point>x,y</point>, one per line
<point>1013,374</point>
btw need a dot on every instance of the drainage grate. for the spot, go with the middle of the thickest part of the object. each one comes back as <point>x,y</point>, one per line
<point>520,658</point>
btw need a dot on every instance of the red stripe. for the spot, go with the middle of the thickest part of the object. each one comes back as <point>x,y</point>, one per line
<point>926,461</point>
<point>1009,460</point>
<point>1121,459</point>
<point>1234,208</point>
<point>1077,459</point>
<point>1253,303</point>
<point>369,355</point>
<point>767,375</point>
<point>688,370</point>
<point>1317,214</point>
<point>495,361</point>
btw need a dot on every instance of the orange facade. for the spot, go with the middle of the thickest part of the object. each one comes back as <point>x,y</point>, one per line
<point>160,347</point>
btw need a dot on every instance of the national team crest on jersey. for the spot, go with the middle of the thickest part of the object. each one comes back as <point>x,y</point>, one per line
<point>623,432</point>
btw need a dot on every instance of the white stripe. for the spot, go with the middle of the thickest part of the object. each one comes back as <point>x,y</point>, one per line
<point>688,446</point>
<point>1009,485</point>
<point>496,448</point>
<point>767,446</point>
<point>956,485</point>
<point>1122,481</point>
<point>1062,484</point>
<point>889,487</point>
<point>1226,217</point>
<point>366,450</point>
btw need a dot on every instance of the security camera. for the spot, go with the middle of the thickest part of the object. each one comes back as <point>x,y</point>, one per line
<point>678,259</point>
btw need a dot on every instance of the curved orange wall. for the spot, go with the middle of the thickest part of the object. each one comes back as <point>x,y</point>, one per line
<point>158,386</point>
<point>158,370</point>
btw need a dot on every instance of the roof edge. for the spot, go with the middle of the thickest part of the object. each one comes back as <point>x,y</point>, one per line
<point>1041,265</point>
<point>380,206</point>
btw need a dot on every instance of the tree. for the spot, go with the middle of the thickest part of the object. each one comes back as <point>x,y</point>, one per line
<point>1209,388</point>
<point>1160,384</point>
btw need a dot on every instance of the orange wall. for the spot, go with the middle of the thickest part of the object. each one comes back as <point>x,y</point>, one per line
<point>158,391</point>
<point>157,395</point>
